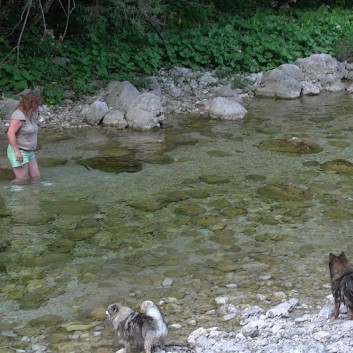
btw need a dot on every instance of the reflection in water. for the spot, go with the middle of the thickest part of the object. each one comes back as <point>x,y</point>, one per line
<point>209,214</point>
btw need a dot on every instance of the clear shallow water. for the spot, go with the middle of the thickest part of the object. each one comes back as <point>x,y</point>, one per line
<point>84,238</point>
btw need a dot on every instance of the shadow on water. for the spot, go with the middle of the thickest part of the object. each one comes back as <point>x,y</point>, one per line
<point>200,209</point>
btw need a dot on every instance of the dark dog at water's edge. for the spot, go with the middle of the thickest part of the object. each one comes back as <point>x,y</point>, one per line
<point>341,273</point>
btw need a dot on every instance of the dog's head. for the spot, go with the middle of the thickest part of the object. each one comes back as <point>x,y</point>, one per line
<point>112,310</point>
<point>116,312</point>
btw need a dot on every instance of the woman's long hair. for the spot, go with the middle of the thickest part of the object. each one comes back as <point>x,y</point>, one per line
<point>29,103</point>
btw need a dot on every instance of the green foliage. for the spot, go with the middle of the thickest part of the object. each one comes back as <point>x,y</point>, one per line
<point>52,94</point>
<point>239,81</point>
<point>344,48</point>
<point>230,42</point>
<point>13,79</point>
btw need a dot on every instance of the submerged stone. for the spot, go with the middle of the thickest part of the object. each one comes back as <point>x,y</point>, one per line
<point>311,164</point>
<point>255,177</point>
<point>214,179</point>
<point>206,221</point>
<point>292,145</point>
<point>234,211</point>
<point>226,265</point>
<point>218,154</point>
<point>62,246</point>
<point>78,234</point>
<point>112,164</point>
<point>69,207</point>
<point>51,162</point>
<point>269,237</point>
<point>6,173</point>
<point>155,158</point>
<point>45,260</point>
<point>31,301</point>
<point>172,141</point>
<point>198,194</point>
<point>14,291</point>
<point>46,321</point>
<point>220,203</point>
<point>32,217</point>
<point>340,166</point>
<point>282,192</point>
<point>116,151</point>
<point>190,209</point>
<point>147,204</point>
<point>175,196</point>
<point>338,213</point>
<point>4,212</point>
<point>339,144</point>
<point>265,219</point>
<point>224,237</point>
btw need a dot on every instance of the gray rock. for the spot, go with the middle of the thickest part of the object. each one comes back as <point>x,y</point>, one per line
<point>145,112</point>
<point>310,88</point>
<point>292,71</point>
<point>7,107</point>
<point>282,309</point>
<point>223,108</point>
<point>336,87</point>
<point>115,118</point>
<point>317,66</point>
<point>167,282</point>
<point>121,95</point>
<point>278,85</point>
<point>95,112</point>
<point>326,311</point>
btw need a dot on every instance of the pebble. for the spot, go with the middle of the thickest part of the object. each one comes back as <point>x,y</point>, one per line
<point>231,285</point>
<point>167,282</point>
<point>221,300</point>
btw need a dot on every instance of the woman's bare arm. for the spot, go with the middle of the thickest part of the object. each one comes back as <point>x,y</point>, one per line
<point>14,126</point>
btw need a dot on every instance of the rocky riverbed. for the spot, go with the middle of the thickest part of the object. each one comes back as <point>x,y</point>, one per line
<point>287,327</point>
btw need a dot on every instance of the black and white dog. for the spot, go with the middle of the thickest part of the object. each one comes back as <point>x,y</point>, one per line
<point>146,329</point>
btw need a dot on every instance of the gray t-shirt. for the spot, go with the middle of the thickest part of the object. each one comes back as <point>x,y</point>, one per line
<point>26,136</point>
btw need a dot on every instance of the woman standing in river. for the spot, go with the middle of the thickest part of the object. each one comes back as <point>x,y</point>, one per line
<point>22,136</point>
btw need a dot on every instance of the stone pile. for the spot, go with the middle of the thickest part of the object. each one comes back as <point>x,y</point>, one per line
<point>181,90</point>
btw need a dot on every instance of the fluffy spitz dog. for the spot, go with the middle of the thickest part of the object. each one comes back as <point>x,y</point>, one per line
<point>146,329</point>
<point>341,273</point>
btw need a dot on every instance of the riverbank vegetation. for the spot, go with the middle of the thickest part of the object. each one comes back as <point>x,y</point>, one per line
<point>70,44</point>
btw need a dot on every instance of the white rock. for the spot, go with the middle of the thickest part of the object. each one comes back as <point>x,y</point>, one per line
<point>221,300</point>
<point>282,309</point>
<point>321,336</point>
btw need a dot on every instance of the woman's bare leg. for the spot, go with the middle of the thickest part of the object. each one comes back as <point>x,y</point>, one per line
<point>33,171</point>
<point>21,174</point>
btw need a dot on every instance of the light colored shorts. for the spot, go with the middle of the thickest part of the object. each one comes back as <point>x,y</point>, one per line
<point>27,156</point>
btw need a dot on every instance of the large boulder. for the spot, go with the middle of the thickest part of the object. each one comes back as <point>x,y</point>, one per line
<point>223,108</point>
<point>322,68</point>
<point>115,118</point>
<point>325,71</point>
<point>121,95</point>
<point>145,112</point>
<point>7,107</point>
<point>95,112</point>
<point>282,82</point>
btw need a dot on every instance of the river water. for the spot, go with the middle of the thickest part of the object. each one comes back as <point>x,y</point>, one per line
<point>203,208</point>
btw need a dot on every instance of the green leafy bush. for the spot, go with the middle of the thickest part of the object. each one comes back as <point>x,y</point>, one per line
<point>344,48</point>
<point>231,43</point>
